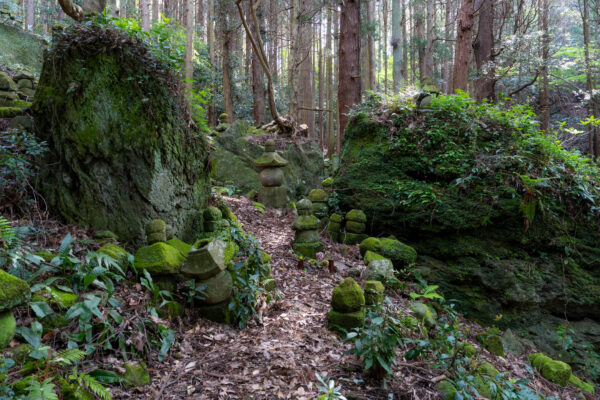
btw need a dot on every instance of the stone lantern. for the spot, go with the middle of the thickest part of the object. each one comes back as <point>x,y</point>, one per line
<point>271,165</point>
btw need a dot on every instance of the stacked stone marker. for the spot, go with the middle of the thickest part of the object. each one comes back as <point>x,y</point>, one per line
<point>355,227</point>
<point>334,226</point>
<point>271,177</point>
<point>306,241</point>
<point>347,302</point>
<point>156,231</point>
<point>319,205</point>
<point>207,267</point>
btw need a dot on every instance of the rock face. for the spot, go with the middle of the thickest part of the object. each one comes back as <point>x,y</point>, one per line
<point>235,153</point>
<point>120,145</point>
<point>456,192</point>
<point>20,49</point>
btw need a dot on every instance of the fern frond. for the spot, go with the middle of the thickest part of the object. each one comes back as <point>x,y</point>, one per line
<point>8,237</point>
<point>96,387</point>
<point>68,357</point>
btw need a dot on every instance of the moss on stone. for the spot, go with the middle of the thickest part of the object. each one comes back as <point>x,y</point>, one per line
<point>553,370</point>
<point>485,368</point>
<point>370,244</point>
<point>355,227</point>
<point>136,374</point>
<point>159,258</point>
<point>447,389</point>
<point>13,291</point>
<point>117,253</point>
<point>8,327</point>
<point>372,256</point>
<point>492,341</point>
<point>578,383</point>
<point>155,226</point>
<point>346,321</point>
<point>180,245</point>
<point>308,250</point>
<point>327,182</point>
<point>60,300</point>
<point>305,222</point>
<point>121,148</point>
<point>356,215</point>
<point>212,213</point>
<point>347,296</point>
<point>401,254</point>
<point>10,112</point>
<point>336,218</point>
<point>352,238</point>
<point>373,292</point>
<point>468,350</point>
<point>46,255</point>
<point>317,196</point>
<point>105,234</point>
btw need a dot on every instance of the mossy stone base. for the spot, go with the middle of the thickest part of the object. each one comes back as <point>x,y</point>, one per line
<point>352,238</point>
<point>117,253</point>
<point>347,296</point>
<point>13,291</point>
<point>136,375</point>
<point>275,197</point>
<point>311,236</point>
<point>308,250</point>
<point>553,370</point>
<point>218,288</point>
<point>8,327</point>
<point>216,312</point>
<point>159,258</point>
<point>355,227</point>
<point>180,245</point>
<point>371,256</point>
<point>373,292</point>
<point>578,383</point>
<point>346,321</point>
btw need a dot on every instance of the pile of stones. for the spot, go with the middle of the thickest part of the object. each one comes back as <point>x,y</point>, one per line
<point>13,293</point>
<point>334,226</point>
<point>355,227</point>
<point>223,124</point>
<point>305,225</point>
<point>401,255</point>
<point>348,306</point>
<point>26,85</point>
<point>206,266</point>
<point>319,198</point>
<point>271,165</point>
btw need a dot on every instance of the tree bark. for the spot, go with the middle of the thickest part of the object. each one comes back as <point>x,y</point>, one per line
<point>544,6</point>
<point>210,32</point>
<point>384,12</point>
<point>227,43</point>
<point>258,81</point>
<point>349,90</point>
<point>462,55</point>
<point>189,44</point>
<point>306,70</point>
<point>145,11</point>
<point>274,37</point>
<point>155,16</point>
<point>589,81</point>
<point>329,56</point>
<point>429,38</point>
<point>483,48</point>
<point>397,11</point>
<point>31,14</point>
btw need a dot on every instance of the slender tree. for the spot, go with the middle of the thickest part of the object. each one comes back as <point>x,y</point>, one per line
<point>349,88</point>
<point>483,49</point>
<point>544,101</point>
<point>189,44</point>
<point>462,54</point>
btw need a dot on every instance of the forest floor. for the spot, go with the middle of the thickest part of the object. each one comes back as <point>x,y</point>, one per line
<point>278,358</point>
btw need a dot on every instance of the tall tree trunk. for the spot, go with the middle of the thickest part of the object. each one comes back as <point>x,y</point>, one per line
<point>306,72</point>
<point>155,16</point>
<point>385,45</point>
<point>589,81</point>
<point>544,6</point>
<point>429,37</point>
<point>447,71</point>
<point>200,25</point>
<point>462,55</point>
<point>189,44</point>
<point>30,14</point>
<point>483,47</point>
<point>370,62</point>
<point>258,80</point>
<point>397,11</point>
<point>210,31</point>
<point>329,47</point>
<point>248,56</point>
<point>293,60</point>
<point>421,38</point>
<point>273,37</point>
<point>227,44</point>
<point>145,11</point>
<point>349,90</point>
<point>404,54</point>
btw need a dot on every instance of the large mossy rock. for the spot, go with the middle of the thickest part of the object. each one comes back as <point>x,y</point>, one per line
<point>121,147</point>
<point>235,154</point>
<point>20,49</point>
<point>502,218</point>
<point>13,291</point>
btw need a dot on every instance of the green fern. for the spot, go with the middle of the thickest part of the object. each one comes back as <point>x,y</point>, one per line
<point>68,357</point>
<point>45,390</point>
<point>95,387</point>
<point>8,237</point>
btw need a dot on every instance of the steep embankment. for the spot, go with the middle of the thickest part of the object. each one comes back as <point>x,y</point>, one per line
<point>502,217</point>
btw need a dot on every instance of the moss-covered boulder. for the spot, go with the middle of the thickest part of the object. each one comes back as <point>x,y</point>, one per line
<point>454,183</point>
<point>371,256</point>
<point>57,298</point>
<point>122,148</point>
<point>585,386</point>
<point>21,49</point>
<point>13,291</point>
<point>347,296</point>
<point>136,374</point>
<point>379,270</point>
<point>180,245</point>
<point>553,370</point>
<point>8,327</point>
<point>373,292</point>
<point>159,259</point>
<point>346,321</point>
<point>401,254</point>
<point>492,341</point>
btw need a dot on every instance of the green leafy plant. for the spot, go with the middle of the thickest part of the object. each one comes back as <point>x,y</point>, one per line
<point>375,344</point>
<point>328,390</point>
